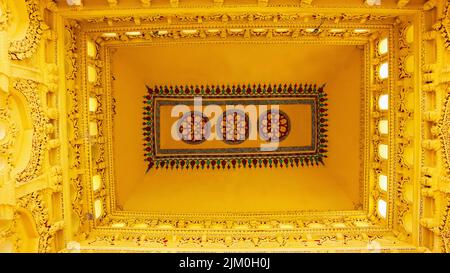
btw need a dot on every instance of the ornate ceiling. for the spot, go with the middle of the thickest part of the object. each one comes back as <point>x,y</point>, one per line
<point>73,151</point>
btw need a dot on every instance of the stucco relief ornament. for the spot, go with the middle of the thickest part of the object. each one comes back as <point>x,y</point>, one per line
<point>25,48</point>
<point>443,25</point>
<point>4,15</point>
<point>444,127</point>
<point>40,128</point>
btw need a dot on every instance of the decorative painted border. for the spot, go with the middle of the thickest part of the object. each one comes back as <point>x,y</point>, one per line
<point>114,214</point>
<point>234,160</point>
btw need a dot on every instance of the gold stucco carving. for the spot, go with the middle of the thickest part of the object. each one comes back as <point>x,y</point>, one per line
<point>30,91</point>
<point>26,47</point>
<point>443,25</point>
<point>294,230</point>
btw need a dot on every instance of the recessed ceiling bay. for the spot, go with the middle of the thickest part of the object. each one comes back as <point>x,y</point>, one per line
<point>334,186</point>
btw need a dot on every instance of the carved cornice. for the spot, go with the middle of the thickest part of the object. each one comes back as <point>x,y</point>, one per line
<point>25,48</point>
<point>267,17</point>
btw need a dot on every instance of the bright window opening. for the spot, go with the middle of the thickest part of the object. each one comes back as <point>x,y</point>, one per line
<point>383,46</point>
<point>383,102</point>
<point>383,182</point>
<point>93,104</point>
<point>98,209</point>
<point>383,127</point>
<point>383,151</point>
<point>336,30</point>
<point>382,208</point>
<point>91,50</point>
<point>93,131</point>
<point>133,33</point>
<point>92,74</point>
<point>118,225</point>
<point>109,34</point>
<point>96,182</point>
<point>384,71</point>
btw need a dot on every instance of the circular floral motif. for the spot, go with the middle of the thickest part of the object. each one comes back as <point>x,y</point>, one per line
<point>233,126</point>
<point>274,124</point>
<point>194,128</point>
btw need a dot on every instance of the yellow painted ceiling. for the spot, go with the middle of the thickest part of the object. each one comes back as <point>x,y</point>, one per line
<point>335,186</point>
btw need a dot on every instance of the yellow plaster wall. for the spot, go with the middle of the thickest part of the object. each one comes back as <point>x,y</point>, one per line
<point>331,187</point>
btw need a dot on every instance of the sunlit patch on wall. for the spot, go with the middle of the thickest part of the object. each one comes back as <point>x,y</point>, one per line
<point>91,50</point>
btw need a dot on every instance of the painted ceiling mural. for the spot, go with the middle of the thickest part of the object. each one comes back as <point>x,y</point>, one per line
<point>235,126</point>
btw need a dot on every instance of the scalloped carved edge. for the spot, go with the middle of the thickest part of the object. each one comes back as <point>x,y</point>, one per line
<point>28,88</point>
<point>26,47</point>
